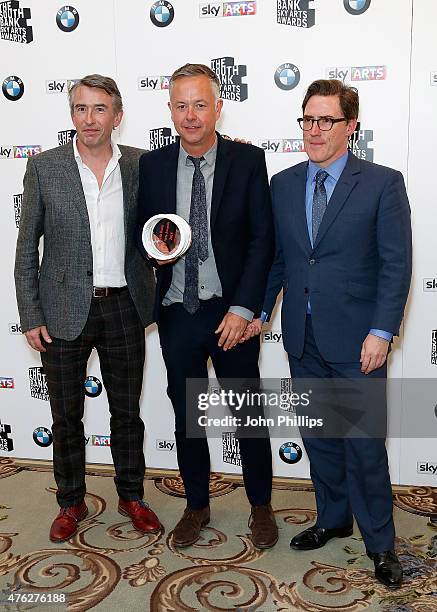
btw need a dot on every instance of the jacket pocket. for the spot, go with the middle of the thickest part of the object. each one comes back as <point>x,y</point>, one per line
<point>365,292</point>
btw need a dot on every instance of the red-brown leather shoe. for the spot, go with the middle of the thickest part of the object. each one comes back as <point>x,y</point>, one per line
<point>142,517</point>
<point>65,524</point>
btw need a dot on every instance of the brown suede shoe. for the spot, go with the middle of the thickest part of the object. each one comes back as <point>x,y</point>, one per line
<point>142,517</point>
<point>187,531</point>
<point>65,524</point>
<point>263,526</point>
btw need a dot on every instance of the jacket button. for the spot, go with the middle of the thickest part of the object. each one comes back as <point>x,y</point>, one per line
<point>306,290</point>
<point>312,262</point>
<point>89,273</point>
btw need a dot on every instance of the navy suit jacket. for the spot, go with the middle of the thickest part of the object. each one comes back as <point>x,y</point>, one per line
<point>357,276</point>
<point>241,221</point>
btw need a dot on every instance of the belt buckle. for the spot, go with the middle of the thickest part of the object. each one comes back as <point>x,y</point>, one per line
<point>99,292</point>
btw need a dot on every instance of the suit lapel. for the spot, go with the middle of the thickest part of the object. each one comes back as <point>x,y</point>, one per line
<point>73,182</point>
<point>126,181</point>
<point>298,195</point>
<point>347,181</point>
<point>170,176</point>
<point>222,165</point>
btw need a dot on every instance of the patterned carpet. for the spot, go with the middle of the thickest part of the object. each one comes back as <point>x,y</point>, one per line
<point>109,566</point>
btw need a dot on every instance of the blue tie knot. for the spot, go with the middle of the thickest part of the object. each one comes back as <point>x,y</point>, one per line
<point>196,161</point>
<point>321,177</point>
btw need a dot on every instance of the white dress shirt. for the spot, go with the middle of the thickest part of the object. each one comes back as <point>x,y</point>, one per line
<point>106,217</point>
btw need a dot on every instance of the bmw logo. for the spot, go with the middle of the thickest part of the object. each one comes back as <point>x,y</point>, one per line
<point>67,18</point>
<point>13,88</point>
<point>287,76</point>
<point>356,7</point>
<point>42,436</point>
<point>290,452</point>
<point>162,13</point>
<point>93,386</point>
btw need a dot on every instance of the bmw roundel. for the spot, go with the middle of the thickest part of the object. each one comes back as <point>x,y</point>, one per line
<point>290,452</point>
<point>42,437</point>
<point>13,88</point>
<point>162,13</point>
<point>67,18</point>
<point>287,76</point>
<point>93,386</point>
<point>356,7</point>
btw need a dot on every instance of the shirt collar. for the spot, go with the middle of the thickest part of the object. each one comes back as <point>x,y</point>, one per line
<point>116,153</point>
<point>209,156</point>
<point>334,170</point>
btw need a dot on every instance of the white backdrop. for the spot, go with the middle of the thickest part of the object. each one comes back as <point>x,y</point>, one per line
<point>385,48</point>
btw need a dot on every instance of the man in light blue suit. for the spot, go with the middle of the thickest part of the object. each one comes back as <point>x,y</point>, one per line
<point>343,259</point>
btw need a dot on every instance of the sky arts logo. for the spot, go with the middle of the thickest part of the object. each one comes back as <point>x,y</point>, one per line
<point>227,9</point>
<point>6,443</point>
<point>272,336</point>
<point>433,78</point>
<point>67,18</point>
<point>430,284</point>
<point>15,329</point>
<point>427,467</point>
<point>100,440</point>
<point>38,384</point>
<point>18,199</point>
<point>282,145</point>
<point>290,453</point>
<point>356,7</point>
<point>13,23</point>
<point>231,449</point>
<point>359,143</point>
<point>59,86</point>
<point>230,76</point>
<point>42,437</point>
<point>153,83</point>
<point>65,136</point>
<point>93,387</point>
<point>13,88</point>
<point>295,13</point>
<point>160,137</point>
<point>6,382</point>
<point>287,76</point>
<point>434,347</point>
<point>357,73</point>
<point>162,14</point>
<point>165,445</point>
<point>19,151</point>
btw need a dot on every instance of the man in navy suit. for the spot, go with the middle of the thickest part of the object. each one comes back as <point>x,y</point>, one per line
<point>205,300</point>
<point>343,259</point>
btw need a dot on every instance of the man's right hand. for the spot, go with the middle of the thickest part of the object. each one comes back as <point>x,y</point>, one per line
<point>33,337</point>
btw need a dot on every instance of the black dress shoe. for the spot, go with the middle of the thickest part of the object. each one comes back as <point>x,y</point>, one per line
<point>388,570</point>
<point>316,537</point>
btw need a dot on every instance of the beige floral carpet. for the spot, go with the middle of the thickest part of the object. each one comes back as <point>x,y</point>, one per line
<point>109,566</point>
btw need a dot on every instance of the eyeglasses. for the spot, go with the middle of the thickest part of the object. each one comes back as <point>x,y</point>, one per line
<point>324,123</point>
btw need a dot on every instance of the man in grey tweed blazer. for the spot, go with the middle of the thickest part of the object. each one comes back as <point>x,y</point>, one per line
<point>92,289</point>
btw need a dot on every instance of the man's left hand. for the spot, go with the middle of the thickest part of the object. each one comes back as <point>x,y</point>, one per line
<point>373,353</point>
<point>231,330</point>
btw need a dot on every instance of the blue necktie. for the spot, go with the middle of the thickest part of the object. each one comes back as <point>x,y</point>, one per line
<point>199,237</point>
<point>320,202</point>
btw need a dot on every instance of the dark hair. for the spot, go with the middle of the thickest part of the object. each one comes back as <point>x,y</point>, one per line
<point>193,70</point>
<point>349,101</point>
<point>102,82</point>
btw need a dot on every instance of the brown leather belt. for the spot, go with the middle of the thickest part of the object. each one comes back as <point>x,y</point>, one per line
<point>99,292</point>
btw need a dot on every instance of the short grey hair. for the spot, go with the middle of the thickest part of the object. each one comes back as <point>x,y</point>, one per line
<point>101,82</point>
<point>194,70</point>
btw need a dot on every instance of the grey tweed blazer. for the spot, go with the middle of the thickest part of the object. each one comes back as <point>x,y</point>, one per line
<point>57,293</point>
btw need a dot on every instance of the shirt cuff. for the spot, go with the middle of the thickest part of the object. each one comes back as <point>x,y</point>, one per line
<point>264,316</point>
<point>380,333</point>
<point>242,312</point>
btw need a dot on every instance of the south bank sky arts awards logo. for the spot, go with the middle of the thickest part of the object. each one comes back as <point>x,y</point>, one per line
<point>38,384</point>
<point>67,18</point>
<point>231,449</point>
<point>296,13</point>
<point>6,443</point>
<point>13,88</point>
<point>160,137</point>
<point>161,14</point>
<point>14,24</point>
<point>231,78</point>
<point>18,198</point>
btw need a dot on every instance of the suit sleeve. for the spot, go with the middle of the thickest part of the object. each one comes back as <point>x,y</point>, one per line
<point>27,254</point>
<point>275,279</point>
<point>260,250</point>
<point>395,255</point>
